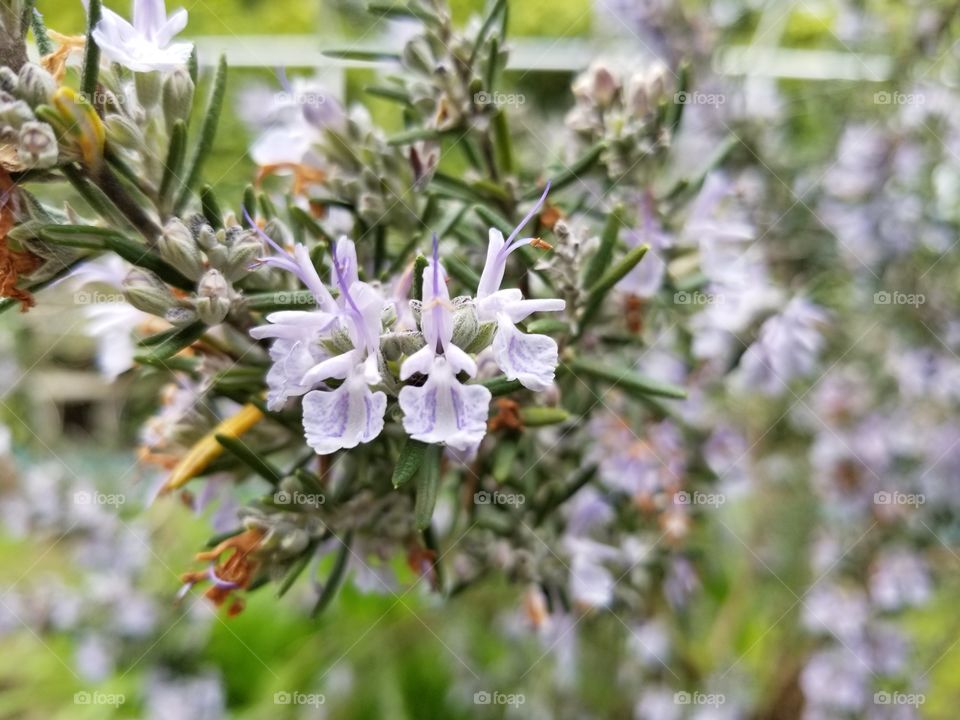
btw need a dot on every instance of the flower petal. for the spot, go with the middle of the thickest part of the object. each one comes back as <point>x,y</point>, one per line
<point>445,411</point>
<point>531,359</point>
<point>343,418</point>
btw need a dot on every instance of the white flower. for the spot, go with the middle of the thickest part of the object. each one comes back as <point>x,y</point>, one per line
<point>531,359</point>
<point>144,45</point>
<point>442,410</point>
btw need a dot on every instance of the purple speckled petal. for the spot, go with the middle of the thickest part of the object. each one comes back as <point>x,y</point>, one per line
<point>343,418</point>
<point>445,411</point>
<point>531,359</point>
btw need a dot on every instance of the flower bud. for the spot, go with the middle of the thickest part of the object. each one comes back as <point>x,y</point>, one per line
<point>35,85</point>
<point>149,87</point>
<point>417,56</point>
<point>213,303</point>
<point>178,248</point>
<point>122,131</point>
<point>37,147</point>
<point>145,291</point>
<point>241,255</point>
<point>295,541</point>
<point>465,323</point>
<point>14,112</point>
<point>180,316</point>
<point>178,91</point>
<point>8,80</point>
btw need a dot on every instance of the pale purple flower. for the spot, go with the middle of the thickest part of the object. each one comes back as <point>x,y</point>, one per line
<point>529,358</point>
<point>352,413</point>
<point>145,45</point>
<point>442,410</point>
<point>788,347</point>
<point>296,334</point>
<point>591,581</point>
<point>647,277</point>
<point>900,578</point>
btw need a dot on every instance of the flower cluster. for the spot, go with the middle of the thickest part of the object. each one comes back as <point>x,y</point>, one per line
<point>344,341</point>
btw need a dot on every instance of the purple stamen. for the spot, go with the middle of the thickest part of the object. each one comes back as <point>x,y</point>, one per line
<point>281,72</point>
<point>218,581</point>
<point>507,246</point>
<point>342,282</point>
<point>262,234</point>
<point>436,265</point>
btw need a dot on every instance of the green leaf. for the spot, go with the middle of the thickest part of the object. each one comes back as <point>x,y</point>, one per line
<point>411,457</point>
<point>488,22</point>
<point>176,154</point>
<point>239,449</point>
<point>547,326</point>
<point>428,485</point>
<point>296,569</point>
<point>44,46</point>
<point>391,10</point>
<point>91,57</point>
<point>170,346</point>
<point>363,55</point>
<point>464,274</point>
<point>211,207</point>
<point>501,385</point>
<point>608,244</point>
<point>388,93</point>
<point>208,133</point>
<point>411,136</point>
<point>282,300</point>
<point>572,173</point>
<point>598,293</point>
<point>301,216</point>
<point>626,379</point>
<point>419,265</point>
<point>540,416</point>
<point>335,579</point>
